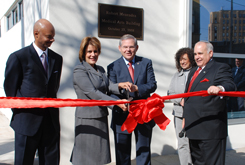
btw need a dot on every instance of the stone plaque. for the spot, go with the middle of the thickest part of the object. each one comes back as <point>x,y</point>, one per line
<point>115,21</point>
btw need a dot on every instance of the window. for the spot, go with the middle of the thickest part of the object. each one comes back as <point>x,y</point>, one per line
<point>9,21</point>
<point>210,10</point>
<point>15,15</point>
<point>21,9</point>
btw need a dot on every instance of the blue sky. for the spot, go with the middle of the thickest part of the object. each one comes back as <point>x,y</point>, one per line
<point>208,6</point>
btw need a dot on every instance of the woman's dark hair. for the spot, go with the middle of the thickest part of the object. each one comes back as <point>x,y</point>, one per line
<point>181,52</point>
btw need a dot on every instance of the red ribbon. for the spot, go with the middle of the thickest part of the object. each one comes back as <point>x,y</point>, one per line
<point>141,111</point>
<point>144,112</point>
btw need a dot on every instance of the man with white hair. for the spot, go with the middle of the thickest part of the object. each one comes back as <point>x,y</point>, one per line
<point>206,117</point>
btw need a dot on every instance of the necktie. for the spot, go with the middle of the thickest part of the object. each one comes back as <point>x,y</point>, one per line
<point>131,70</point>
<point>193,78</point>
<point>44,61</point>
<point>236,70</point>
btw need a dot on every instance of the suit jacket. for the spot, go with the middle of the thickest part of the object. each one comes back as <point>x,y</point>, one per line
<point>206,117</point>
<point>26,77</point>
<point>239,78</point>
<point>91,84</point>
<point>144,78</point>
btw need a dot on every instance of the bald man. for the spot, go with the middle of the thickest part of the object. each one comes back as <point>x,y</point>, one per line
<point>34,71</point>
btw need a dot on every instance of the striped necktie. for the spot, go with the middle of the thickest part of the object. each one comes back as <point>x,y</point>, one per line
<point>44,61</point>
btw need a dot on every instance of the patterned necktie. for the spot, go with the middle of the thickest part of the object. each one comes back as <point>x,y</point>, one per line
<point>44,61</point>
<point>193,78</point>
<point>131,70</point>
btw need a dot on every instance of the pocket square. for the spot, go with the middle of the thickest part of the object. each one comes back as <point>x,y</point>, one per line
<point>204,80</point>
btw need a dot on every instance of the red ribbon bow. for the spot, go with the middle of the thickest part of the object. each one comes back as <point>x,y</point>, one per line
<point>204,80</point>
<point>144,112</point>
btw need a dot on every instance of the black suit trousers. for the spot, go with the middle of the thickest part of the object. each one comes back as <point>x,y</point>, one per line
<point>46,141</point>
<point>208,152</point>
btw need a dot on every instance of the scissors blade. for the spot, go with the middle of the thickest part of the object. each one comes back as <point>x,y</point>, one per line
<point>128,98</point>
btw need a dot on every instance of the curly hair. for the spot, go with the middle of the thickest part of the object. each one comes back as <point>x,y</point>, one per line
<point>181,52</point>
<point>84,45</point>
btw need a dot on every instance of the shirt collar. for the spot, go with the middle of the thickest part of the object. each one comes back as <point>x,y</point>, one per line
<point>39,51</point>
<point>126,61</point>
<point>206,64</point>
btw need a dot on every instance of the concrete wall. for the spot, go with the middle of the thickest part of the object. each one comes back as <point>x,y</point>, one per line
<point>167,27</point>
<point>164,33</point>
<point>74,20</point>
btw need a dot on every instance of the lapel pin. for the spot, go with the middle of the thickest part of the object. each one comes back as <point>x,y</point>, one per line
<point>204,71</point>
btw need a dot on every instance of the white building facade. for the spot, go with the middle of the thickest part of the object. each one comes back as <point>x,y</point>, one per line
<point>167,27</point>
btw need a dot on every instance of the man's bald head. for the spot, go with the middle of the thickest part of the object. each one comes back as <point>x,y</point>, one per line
<point>42,23</point>
<point>44,33</point>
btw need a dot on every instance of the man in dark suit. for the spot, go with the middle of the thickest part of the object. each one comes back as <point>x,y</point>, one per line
<point>238,74</point>
<point>206,117</point>
<point>139,71</point>
<point>34,71</point>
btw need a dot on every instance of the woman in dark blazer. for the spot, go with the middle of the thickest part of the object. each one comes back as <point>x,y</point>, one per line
<point>91,144</point>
